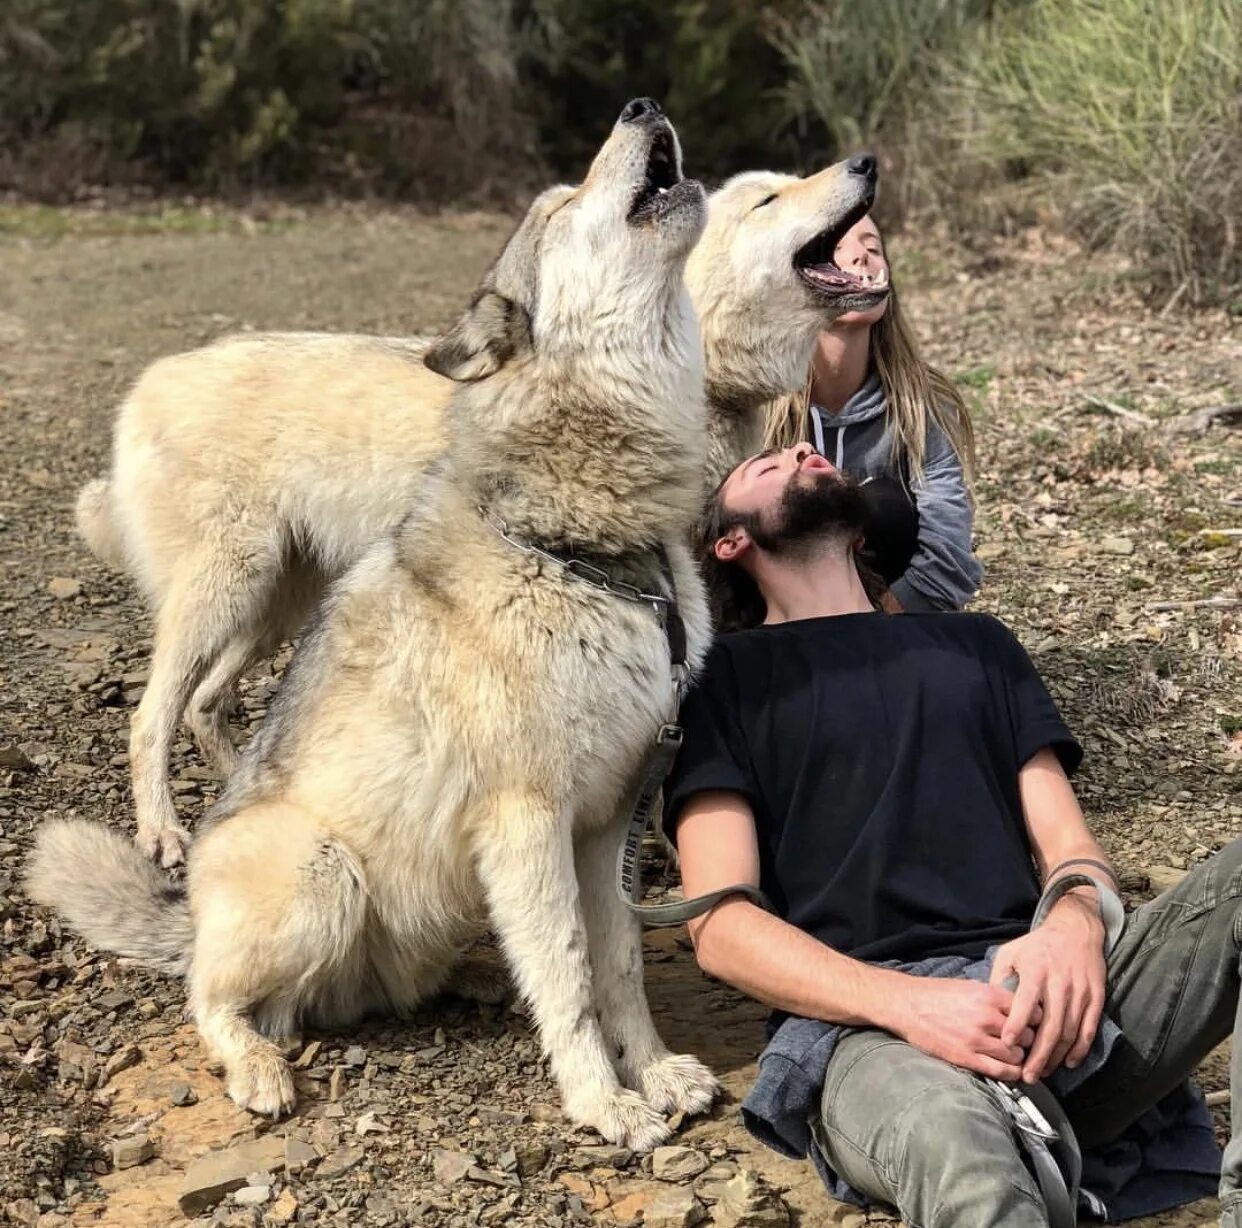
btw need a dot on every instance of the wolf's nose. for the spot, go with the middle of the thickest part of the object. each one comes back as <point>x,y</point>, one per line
<point>638,109</point>
<point>860,164</point>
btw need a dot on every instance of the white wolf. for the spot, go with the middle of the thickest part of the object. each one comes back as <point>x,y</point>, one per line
<point>248,474</point>
<point>457,733</point>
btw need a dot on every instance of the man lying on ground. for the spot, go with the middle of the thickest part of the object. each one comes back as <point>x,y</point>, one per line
<point>896,785</point>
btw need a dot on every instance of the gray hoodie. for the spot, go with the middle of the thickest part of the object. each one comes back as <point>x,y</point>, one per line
<point>944,573</point>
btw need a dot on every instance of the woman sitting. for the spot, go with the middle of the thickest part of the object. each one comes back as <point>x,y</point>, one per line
<point>877,411</point>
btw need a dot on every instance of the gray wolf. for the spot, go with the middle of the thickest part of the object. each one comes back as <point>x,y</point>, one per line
<point>948,903</point>
<point>248,474</point>
<point>457,733</point>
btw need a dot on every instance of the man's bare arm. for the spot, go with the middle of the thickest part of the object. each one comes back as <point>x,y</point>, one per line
<point>777,963</point>
<point>1060,967</point>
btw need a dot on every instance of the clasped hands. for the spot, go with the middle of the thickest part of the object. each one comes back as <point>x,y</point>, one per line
<point>1026,1034</point>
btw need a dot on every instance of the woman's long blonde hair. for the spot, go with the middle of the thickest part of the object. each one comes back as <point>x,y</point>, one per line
<point>912,390</point>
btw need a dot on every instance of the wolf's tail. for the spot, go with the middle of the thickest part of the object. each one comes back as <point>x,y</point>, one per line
<point>97,524</point>
<point>106,889</point>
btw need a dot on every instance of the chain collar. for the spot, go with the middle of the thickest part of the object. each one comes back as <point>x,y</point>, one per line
<point>665,608</point>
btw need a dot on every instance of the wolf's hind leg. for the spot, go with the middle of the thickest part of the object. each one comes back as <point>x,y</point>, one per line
<point>280,913</point>
<point>214,697</point>
<point>215,596</point>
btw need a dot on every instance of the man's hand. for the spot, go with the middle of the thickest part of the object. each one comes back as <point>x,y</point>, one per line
<point>1061,972</point>
<point>966,1023</point>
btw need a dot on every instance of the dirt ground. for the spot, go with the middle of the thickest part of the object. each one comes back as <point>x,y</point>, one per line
<point>1095,514</point>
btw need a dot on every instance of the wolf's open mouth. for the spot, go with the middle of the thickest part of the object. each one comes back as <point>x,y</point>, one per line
<point>663,175</point>
<point>817,268</point>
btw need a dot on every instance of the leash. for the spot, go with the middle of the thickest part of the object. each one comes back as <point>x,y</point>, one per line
<point>655,769</point>
<point>667,742</point>
<point>629,879</point>
<point>1040,1123</point>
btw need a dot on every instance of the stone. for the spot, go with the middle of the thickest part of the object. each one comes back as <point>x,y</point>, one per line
<point>745,1202</point>
<point>355,1055</point>
<point>486,1177</point>
<point>14,759</point>
<point>340,1162</point>
<point>601,1156</point>
<point>675,1207</point>
<point>306,1059</point>
<point>22,1211</point>
<point>1164,878</point>
<point>530,1158</point>
<point>122,1059</point>
<point>218,1173</point>
<point>64,588</point>
<point>183,1095</point>
<point>298,1154</point>
<point>132,1151</point>
<point>1117,545</point>
<point>282,1211</point>
<point>252,1195</point>
<point>450,1166</point>
<point>593,1197</point>
<point>369,1123</point>
<point>677,1163</point>
<point>336,1083</point>
<point>709,1183</point>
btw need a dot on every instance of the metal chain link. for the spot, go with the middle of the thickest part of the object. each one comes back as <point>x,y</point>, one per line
<point>597,577</point>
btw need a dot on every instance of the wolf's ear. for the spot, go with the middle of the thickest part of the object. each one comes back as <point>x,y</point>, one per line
<point>491,332</point>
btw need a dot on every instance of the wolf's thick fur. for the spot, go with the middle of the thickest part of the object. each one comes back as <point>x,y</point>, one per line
<point>758,317</point>
<point>456,735</point>
<point>249,473</point>
<point>111,894</point>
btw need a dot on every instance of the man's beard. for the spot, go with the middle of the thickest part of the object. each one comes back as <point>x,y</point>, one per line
<point>814,509</point>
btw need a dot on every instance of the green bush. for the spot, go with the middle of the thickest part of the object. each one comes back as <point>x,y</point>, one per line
<point>710,63</point>
<point>1122,116</point>
<point>219,92</point>
<point>862,73</point>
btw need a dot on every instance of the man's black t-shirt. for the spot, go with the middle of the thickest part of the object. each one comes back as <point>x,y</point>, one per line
<point>880,755</point>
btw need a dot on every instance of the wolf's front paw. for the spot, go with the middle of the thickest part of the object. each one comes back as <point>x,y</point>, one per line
<point>678,1083</point>
<point>263,1083</point>
<point>165,845</point>
<point>623,1117</point>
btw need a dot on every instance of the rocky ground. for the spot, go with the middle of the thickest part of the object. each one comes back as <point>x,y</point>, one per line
<point>1112,538</point>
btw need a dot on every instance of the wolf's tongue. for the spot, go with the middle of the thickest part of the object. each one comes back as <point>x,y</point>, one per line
<point>830,273</point>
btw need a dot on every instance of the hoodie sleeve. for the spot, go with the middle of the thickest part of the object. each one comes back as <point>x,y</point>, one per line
<point>944,573</point>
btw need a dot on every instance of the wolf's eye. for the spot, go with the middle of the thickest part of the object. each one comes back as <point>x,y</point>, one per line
<point>767,200</point>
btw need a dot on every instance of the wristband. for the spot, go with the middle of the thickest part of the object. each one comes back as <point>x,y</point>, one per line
<point>1080,861</point>
<point>1111,911</point>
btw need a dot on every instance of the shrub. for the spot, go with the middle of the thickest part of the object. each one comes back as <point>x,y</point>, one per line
<point>1122,116</point>
<point>217,92</point>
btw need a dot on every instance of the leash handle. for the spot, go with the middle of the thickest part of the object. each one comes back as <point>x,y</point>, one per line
<point>1112,912</point>
<point>629,878</point>
<point>1042,1127</point>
